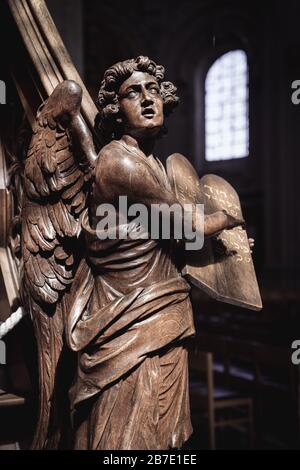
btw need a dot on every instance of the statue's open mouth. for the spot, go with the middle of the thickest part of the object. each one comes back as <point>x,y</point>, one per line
<point>148,113</point>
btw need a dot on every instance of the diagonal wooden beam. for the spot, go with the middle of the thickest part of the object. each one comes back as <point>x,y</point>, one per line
<point>7,264</point>
<point>47,51</point>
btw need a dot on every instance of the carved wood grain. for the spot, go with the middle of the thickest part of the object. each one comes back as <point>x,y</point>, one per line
<point>47,51</point>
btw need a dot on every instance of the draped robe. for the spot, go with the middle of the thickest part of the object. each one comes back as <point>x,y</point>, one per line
<point>129,319</point>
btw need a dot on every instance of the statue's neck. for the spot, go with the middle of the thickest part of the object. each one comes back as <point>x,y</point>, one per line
<point>145,145</point>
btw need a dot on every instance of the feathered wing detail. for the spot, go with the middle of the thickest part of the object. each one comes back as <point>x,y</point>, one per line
<point>55,193</point>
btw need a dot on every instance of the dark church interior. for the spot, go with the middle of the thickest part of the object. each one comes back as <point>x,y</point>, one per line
<point>244,385</point>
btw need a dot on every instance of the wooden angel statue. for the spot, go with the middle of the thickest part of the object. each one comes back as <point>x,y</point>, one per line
<point>121,305</point>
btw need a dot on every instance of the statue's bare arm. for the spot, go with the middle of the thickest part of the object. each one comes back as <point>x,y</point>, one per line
<point>120,174</point>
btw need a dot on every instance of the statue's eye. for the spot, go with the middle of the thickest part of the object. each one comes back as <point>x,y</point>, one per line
<point>131,94</point>
<point>154,91</point>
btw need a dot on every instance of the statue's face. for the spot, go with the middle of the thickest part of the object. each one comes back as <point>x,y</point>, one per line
<point>141,105</point>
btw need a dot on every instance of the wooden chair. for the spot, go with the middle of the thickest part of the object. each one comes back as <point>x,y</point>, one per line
<point>205,396</point>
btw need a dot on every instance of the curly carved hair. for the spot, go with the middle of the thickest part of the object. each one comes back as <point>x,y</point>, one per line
<point>108,99</point>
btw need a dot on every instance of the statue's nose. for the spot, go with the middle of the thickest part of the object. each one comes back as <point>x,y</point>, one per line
<point>146,99</point>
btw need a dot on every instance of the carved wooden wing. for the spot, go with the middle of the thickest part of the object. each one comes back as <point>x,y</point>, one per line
<point>55,192</point>
<point>36,63</point>
<point>223,268</point>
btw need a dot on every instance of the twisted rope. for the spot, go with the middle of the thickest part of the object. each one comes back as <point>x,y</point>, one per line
<point>12,321</point>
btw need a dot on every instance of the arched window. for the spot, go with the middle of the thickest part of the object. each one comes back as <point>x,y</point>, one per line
<point>226,108</point>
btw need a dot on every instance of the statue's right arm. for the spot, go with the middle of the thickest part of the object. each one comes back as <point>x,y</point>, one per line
<point>120,173</point>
